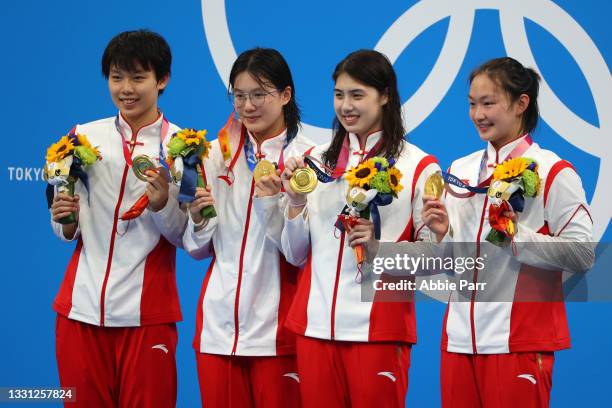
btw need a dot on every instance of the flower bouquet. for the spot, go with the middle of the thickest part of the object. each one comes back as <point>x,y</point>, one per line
<point>372,183</point>
<point>186,150</point>
<point>513,180</point>
<point>65,164</point>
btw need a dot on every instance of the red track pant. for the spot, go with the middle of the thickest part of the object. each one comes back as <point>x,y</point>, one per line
<point>245,382</point>
<point>352,374</point>
<point>496,380</point>
<point>117,366</point>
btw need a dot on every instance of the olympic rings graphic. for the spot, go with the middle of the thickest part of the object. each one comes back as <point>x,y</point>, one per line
<point>432,91</point>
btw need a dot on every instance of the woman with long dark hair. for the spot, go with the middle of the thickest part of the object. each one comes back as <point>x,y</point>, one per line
<point>353,352</point>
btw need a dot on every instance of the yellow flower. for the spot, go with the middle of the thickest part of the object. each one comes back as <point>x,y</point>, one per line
<point>510,228</point>
<point>83,140</point>
<point>394,179</point>
<point>201,134</point>
<point>362,174</point>
<point>184,134</point>
<point>191,137</point>
<point>510,168</point>
<point>59,150</point>
<point>207,145</point>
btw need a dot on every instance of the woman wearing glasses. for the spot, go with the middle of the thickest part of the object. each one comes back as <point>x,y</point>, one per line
<point>245,356</point>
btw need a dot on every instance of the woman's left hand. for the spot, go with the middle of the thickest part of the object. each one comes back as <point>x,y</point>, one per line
<point>157,188</point>
<point>511,215</point>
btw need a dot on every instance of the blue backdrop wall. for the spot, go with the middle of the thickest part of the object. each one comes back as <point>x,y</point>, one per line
<point>52,81</point>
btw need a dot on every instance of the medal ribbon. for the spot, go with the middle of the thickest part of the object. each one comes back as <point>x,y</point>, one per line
<point>343,157</point>
<point>189,179</point>
<point>322,176</point>
<point>141,204</point>
<point>127,154</point>
<point>249,154</point>
<point>483,186</point>
<point>253,158</point>
<point>328,175</point>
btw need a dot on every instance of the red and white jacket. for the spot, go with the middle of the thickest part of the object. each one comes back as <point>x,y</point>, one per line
<point>328,303</point>
<point>249,286</point>
<point>121,273</point>
<point>558,214</point>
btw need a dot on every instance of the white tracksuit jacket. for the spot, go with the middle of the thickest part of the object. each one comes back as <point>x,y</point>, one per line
<point>121,273</point>
<point>328,301</point>
<point>249,286</point>
<point>489,322</point>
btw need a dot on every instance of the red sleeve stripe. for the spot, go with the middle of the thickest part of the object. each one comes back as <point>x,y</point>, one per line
<point>425,161</point>
<point>573,215</point>
<point>408,233</point>
<point>554,170</point>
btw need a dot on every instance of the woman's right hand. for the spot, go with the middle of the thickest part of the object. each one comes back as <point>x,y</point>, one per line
<point>268,186</point>
<point>434,215</point>
<point>291,165</point>
<point>64,205</point>
<point>203,198</point>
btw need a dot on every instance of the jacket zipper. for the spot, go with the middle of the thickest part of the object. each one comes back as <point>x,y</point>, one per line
<point>475,280</point>
<point>115,222</point>
<point>241,266</point>
<point>338,266</point>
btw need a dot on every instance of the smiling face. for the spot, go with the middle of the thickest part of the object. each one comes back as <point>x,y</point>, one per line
<point>260,105</point>
<point>359,107</point>
<point>497,119</point>
<point>135,94</point>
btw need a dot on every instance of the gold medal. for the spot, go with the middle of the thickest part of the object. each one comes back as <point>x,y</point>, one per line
<point>304,180</point>
<point>434,185</point>
<point>263,168</point>
<point>140,165</point>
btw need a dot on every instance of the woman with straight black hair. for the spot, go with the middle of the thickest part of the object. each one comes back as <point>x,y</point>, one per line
<point>353,353</point>
<point>245,355</point>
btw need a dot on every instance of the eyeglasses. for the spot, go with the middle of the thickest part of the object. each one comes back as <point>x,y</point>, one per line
<point>257,98</point>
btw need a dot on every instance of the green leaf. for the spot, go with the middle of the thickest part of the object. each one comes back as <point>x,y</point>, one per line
<point>86,155</point>
<point>176,146</point>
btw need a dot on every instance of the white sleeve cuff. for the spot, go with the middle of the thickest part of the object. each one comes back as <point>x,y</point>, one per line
<point>58,230</point>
